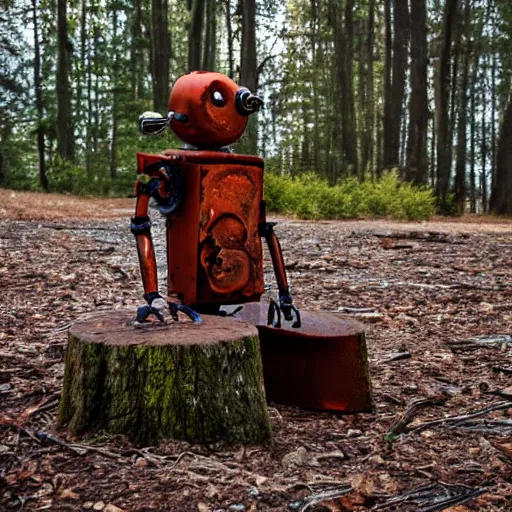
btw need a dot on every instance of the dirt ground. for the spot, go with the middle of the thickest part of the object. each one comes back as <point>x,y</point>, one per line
<point>424,291</point>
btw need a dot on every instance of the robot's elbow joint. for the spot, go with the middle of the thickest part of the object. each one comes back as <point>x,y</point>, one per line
<point>140,225</point>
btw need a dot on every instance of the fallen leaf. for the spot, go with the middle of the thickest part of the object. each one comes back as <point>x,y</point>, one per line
<point>68,494</point>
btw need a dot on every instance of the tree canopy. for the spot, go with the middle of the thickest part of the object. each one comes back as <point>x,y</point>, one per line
<point>351,88</point>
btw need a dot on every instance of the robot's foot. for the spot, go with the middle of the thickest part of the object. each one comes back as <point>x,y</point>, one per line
<point>186,310</point>
<point>143,313</point>
<point>290,313</point>
<point>223,312</point>
<point>274,314</point>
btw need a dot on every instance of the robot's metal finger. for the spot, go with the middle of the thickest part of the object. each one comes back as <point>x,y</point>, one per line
<point>157,313</point>
<point>142,313</point>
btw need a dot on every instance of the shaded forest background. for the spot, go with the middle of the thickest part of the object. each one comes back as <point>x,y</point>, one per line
<point>352,89</point>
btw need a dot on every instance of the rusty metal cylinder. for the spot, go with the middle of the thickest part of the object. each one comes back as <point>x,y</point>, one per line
<point>321,366</point>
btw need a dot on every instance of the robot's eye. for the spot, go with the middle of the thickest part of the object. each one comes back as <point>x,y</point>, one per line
<point>218,99</point>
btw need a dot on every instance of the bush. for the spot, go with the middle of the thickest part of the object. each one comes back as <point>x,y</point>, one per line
<point>310,197</point>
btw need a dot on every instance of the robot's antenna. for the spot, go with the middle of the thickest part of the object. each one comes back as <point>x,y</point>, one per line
<point>152,123</point>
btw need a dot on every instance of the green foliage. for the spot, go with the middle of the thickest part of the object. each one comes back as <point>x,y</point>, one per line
<point>300,130</point>
<point>310,197</point>
<point>70,178</point>
<point>21,163</point>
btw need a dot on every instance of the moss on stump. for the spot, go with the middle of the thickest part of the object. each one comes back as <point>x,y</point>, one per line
<point>200,383</point>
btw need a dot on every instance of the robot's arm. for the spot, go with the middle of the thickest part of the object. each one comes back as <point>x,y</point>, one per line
<point>148,186</point>
<point>141,228</point>
<point>266,230</point>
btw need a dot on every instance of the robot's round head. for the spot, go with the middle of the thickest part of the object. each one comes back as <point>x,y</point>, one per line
<point>209,110</point>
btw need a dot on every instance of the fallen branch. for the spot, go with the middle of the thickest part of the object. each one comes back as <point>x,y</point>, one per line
<point>120,270</point>
<point>61,227</point>
<point>457,286</point>
<point>45,404</point>
<point>330,493</point>
<point>345,309</point>
<point>400,426</point>
<point>500,406</point>
<point>501,369</point>
<point>106,250</point>
<point>388,243</point>
<point>61,328</point>
<point>496,341</point>
<point>397,357</point>
<point>441,496</point>
<point>499,427</point>
<point>429,236</point>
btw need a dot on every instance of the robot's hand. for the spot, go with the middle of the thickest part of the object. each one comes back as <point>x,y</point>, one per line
<point>156,306</point>
<point>274,314</point>
<point>290,313</point>
<point>174,307</point>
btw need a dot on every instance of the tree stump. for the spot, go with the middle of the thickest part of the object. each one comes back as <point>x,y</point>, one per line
<point>199,383</point>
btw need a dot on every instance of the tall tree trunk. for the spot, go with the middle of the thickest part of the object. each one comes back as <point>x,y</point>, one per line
<point>315,51</point>
<point>472,109</point>
<point>96,93</point>
<point>350,124</point>
<point>249,67</point>
<point>229,29</point>
<point>43,179</point>
<point>403,136</point>
<point>460,166</point>
<point>483,147</point>
<point>335,21</point>
<point>89,128</point>
<point>248,63</point>
<point>394,99</point>
<point>493,118</point>
<point>400,47</point>
<point>115,95</point>
<point>195,32</point>
<point>305,155</point>
<point>418,104</point>
<point>387,86</point>
<point>362,94</point>
<point>457,35</point>
<point>501,198</point>
<point>442,94</point>
<point>65,135</point>
<point>368,111</point>
<point>433,155</point>
<point>82,75</point>
<point>136,56</point>
<point>343,48</point>
<point>161,54</point>
<point>210,42</point>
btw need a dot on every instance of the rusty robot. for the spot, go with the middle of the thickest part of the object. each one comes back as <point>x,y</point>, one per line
<point>213,203</point>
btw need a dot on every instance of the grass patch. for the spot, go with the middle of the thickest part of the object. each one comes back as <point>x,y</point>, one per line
<point>310,197</point>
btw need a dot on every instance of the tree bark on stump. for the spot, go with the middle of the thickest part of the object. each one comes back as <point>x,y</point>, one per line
<point>199,383</point>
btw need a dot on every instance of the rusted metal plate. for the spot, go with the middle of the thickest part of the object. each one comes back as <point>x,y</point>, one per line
<point>230,246</point>
<point>321,366</point>
<point>214,251</point>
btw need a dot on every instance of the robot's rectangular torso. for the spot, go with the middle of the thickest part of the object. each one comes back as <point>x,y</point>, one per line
<point>214,252</point>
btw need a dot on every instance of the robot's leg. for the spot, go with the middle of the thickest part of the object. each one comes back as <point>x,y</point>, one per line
<point>175,307</point>
<point>290,313</point>
<point>174,304</point>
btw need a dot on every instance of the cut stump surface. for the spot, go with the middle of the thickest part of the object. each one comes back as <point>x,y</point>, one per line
<point>200,383</point>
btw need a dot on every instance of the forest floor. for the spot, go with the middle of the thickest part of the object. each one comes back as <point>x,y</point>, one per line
<point>436,295</point>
